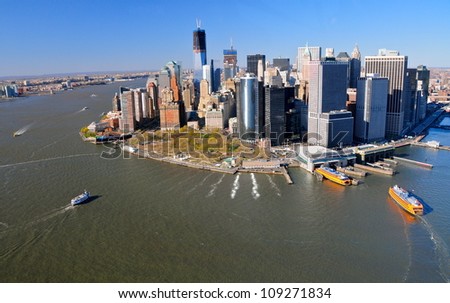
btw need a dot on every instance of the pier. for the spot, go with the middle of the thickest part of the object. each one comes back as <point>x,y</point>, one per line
<point>383,171</point>
<point>279,171</point>
<point>418,163</point>
<point>424,144</point>
<point>351,173</point>
<point>286,175</point>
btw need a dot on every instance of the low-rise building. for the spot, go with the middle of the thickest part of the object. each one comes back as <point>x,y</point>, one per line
<point>314,156</point>
<point>260,164</point>
<point>370,153</point>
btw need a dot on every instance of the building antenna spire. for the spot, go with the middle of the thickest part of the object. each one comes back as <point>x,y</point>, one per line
<point>199,23</point>
<point>231,42</point>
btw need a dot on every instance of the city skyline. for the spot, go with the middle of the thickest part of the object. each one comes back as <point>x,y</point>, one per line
<point>46,37</point>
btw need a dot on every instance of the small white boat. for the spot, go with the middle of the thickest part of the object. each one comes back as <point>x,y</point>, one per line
<point>84,108</point>
<point>80,198</point>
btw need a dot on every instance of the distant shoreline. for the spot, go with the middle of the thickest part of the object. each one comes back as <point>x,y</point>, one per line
<point>74,74</point>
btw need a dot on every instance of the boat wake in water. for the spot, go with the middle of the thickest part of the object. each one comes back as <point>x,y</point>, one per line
<point>50,144</point>
<point>50,215</point>
<point>274,186</point>
<point>199,184</point>
<point>22,130</point>
<point>255,192</point>
<point>214,187</point>
<point>47,159</point>
<point>3,225</point>
<point>440,250</point>
<point>235,187</point>
<point>408,242</point>
<point>32,235</point>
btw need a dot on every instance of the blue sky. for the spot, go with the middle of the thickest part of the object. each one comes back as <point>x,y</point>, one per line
<point>50,36</point>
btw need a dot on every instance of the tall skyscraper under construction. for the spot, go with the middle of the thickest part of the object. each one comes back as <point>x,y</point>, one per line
<point>199,48</point>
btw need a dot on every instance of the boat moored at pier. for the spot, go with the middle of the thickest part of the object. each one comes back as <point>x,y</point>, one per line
<point>333,175</point>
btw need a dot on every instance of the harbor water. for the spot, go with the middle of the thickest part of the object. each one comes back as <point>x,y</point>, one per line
<point>156,222</point>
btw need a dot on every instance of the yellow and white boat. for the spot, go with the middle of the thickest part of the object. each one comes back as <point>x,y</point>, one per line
<point>335,176</point>
<point>406,201</point>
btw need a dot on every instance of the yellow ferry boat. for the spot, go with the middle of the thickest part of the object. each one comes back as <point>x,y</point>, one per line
<point>406,201</point>
<point>335,176</point>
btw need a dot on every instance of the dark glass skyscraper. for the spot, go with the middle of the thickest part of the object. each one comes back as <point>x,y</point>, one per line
<point>252,63</point>
<point>281,63</point>
<point>355,67</point>
<point>199,48</point>
<point>423,80</point>
<point>275,114</point>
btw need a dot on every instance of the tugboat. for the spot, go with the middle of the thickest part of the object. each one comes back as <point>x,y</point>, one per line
<point>80,198</point>
<point>406,201</point>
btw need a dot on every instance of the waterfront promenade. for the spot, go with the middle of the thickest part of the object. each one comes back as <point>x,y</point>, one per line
<point>282,170</point>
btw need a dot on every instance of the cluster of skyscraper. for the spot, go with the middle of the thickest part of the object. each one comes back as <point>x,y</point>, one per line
<point>9,91</point>
<point>326,98</point>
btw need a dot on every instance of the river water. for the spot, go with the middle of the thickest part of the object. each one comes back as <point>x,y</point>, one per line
<point>157,222</point>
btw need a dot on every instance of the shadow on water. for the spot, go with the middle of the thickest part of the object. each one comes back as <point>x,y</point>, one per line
<point>90,199</point>
<point>403,155</point>
<point>426,207</point>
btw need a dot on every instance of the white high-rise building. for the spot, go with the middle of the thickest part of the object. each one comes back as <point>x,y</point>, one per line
<point>207,76</point>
